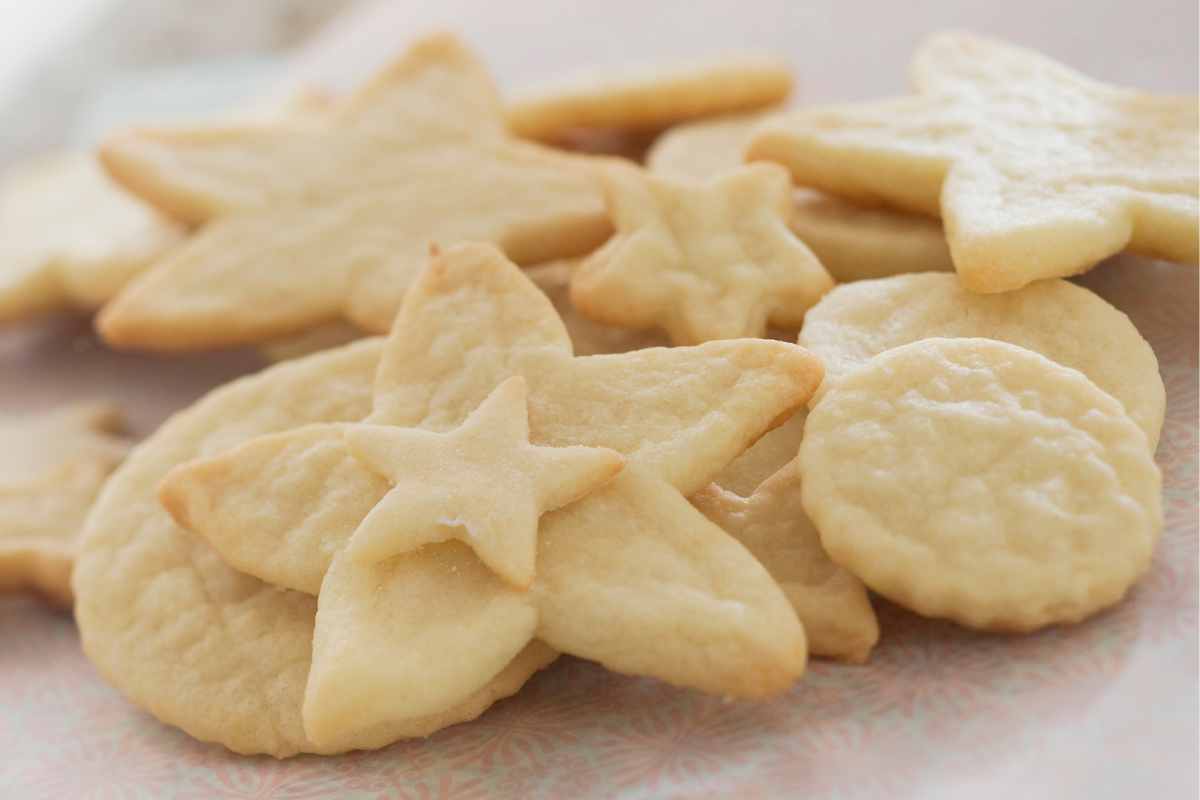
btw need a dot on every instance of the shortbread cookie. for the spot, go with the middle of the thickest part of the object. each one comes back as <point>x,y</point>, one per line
<point>766,457</point>
<point>1064,322</point>
<point>853,242</point>
<point>52,467</point>
<point>632,576</point>
<point>70,237</point>
<point>978,481</point>
<point>650,98</point>
<point>833,604</point>
<point>702,261</point>
<point>1036,171</point>
<point>315,218</point>
<point>588,337</point>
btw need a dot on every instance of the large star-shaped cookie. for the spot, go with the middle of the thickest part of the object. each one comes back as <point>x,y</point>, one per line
<point>703,261</point>
<point>70,237</point>
<point>52,466</point>
<point>317,217</point>
<point>631,575</point>
<point>1036,171</point>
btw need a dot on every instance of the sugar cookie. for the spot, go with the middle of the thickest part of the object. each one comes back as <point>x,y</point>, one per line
<point>975,480</point>
<point>313,218</point>
<point>1037,171</point>
<point>702,261</point>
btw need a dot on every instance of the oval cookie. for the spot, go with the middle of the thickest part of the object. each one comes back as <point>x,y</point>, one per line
<point>1062,321</point>
<point>981,482</point>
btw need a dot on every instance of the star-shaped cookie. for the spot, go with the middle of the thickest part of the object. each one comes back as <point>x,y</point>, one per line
<point>70,237</point>
<point>483,484</point>
<point>1036,171</point>
<point>703,261</point>
<point>631,575</point>
<point>52,466</point>
<point>315,217</point>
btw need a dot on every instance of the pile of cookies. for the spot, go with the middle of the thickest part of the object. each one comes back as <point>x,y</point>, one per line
<point>586,425</point>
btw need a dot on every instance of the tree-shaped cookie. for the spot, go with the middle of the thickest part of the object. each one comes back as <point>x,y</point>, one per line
<point>315,217</point>
<point>631,575</point>
<point>1036,171</point>
<point>703,261</point>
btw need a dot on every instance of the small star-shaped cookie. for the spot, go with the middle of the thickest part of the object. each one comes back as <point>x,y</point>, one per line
<point>317,217</point>
<point>70,237</point>
<point>1036,171</point>
<point>703,261</point>
<point>483,484</point>
<point>52,466</point>
<point>631,575</point>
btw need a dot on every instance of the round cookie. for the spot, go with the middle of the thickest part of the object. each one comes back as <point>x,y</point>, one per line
<point>1064,322</point>
<point>200,645</point>
<point>981,482</point>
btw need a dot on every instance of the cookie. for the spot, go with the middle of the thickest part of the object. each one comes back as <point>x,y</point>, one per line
<point>853,242</point>
<point>632,575</point>
<point>1036,171</point>
<point>70,238</point>
<point>52,468</point>
<point>977,481</point>
<point>319,217</point>
<point>1064,322</point>
<point>649,98</point>
<point>702,261</point>
<point>831,603</point>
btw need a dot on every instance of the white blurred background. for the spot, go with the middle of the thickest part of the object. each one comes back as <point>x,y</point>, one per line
<point>71,69</point>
